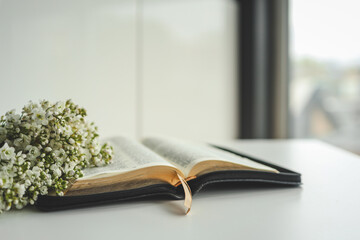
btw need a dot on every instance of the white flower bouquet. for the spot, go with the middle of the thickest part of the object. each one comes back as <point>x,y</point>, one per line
<point>43,149</point>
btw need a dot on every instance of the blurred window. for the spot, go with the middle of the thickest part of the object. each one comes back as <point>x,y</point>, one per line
<point>324,89</point>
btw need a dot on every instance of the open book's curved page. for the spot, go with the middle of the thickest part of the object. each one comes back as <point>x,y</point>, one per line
<point>128,155</point>
<point>184,155</point>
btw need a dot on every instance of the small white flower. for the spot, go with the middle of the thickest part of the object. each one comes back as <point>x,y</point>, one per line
<point>36,171</point>
<point>18,142</point>
<point>27,183</point>
<point>22,141</point>
<point>48,149</point>
<point>45,104</point>
<point>7,153</point>
<point>86,153</point>
<point>20,189</point>
<point>20,160</point>
<point>69,167</point>
<point>12,116</point>
<point>39,116</point>
<point>95,149</point>
<point>43,190</point>
<point>33,152</point>
<point>60,155</point>
<point>59,107</point>
<point>31,105</point>
<point>108,149</point>
<point>7,181</point>
<point>56,170</point>
<point>67,131</point>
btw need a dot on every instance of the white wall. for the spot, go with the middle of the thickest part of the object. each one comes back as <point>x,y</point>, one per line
<point>189,68</point>
<point>146,66</point>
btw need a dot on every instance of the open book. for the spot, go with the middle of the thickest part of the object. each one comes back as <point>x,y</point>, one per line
<point>163,166</point>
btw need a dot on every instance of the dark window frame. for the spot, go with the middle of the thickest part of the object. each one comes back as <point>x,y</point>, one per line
<point>263,68</point>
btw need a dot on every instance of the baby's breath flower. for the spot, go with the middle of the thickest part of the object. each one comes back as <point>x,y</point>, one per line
<point>33,152</point>
<point>59,107</point>
<point>44,148</point>
<point>38,114</point>
<point>7,153</point>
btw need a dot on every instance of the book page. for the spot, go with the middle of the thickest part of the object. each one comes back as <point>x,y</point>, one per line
<point>128,155</point>
<point>184,155</point>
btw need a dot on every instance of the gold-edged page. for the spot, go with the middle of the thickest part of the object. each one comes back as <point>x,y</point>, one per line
<point>193,157</point>
<point>133,166</point>
<point>129,155</point>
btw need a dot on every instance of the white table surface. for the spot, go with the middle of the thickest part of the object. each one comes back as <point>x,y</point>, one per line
<point>326,206</point>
